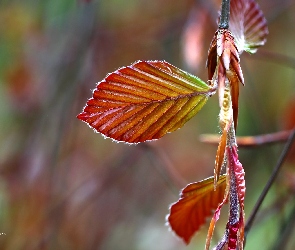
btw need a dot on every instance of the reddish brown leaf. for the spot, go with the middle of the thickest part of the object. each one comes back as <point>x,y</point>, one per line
<point>197,200</point>
<point>144,101</point>
<point>248,25</point>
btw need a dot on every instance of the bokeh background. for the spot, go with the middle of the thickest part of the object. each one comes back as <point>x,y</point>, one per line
<point>64,187</point>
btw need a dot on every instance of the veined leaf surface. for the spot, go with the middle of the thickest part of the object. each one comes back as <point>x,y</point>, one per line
<point>144,101</point>
<point>248,25</point>
<point>197,200</point>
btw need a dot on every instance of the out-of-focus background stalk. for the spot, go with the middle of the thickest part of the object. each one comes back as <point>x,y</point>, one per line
<point>64,187</point>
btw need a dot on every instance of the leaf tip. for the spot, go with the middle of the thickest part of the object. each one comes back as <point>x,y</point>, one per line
<point>82,116</point>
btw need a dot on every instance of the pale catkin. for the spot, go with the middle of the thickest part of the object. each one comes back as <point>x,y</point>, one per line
<point>225,114</point>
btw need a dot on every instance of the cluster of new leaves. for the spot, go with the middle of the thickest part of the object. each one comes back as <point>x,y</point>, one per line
<point>247,31</point>
<point>148,99</point>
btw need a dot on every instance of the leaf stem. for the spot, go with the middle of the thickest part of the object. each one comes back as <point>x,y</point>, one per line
<point>224,17</point>
<point>270,182</point>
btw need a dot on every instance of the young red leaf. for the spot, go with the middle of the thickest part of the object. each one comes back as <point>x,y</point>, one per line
<point>197,200</point>
<point>239,172</point>
<point>248,25</point>
<point>144,101</point>
<point>241,187</point>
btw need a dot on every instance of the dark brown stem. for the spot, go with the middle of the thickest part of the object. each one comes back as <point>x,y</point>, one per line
<point>224,16</point>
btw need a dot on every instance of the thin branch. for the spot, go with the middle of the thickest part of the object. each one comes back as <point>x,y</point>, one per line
<point>224,16</point>
<point>270,182</point>
<point>251,141</point>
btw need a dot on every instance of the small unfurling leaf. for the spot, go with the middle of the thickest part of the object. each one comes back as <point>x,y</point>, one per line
<point>248,25</point>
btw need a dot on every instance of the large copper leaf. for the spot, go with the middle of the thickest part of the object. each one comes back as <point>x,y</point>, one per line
<point>197,200</point>
<point>144,101</point>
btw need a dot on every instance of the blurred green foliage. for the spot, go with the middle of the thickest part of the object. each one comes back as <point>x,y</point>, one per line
<point>64,187</point>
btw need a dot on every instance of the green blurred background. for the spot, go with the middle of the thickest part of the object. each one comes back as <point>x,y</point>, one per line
<point>64,187</point>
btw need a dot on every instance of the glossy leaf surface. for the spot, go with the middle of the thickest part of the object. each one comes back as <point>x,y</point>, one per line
<point>144,101</point>
<point>197,200</point>
<point>248,25</point>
